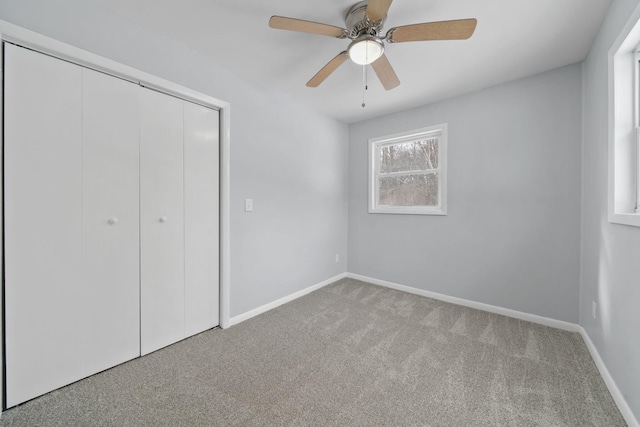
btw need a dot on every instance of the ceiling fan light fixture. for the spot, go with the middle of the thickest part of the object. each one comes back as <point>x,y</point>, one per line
<point>365,49</point>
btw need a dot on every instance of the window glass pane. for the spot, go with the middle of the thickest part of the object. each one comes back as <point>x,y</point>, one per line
<point>409,156</point>
<point>409,190</point>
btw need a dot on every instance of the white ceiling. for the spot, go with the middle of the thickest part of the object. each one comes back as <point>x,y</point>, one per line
<point>513,39</point>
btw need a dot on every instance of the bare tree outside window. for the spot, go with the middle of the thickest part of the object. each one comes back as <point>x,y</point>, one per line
<point>409,190</point>
<point>416,189</point>
<point>407,172</point>
<point>409,156</point>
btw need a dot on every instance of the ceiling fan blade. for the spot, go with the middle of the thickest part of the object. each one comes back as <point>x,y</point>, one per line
<point>328,69</point>
<point>377,9</point>
<point>385,72</point>
<point>292,24</point>
<point>459,29</point>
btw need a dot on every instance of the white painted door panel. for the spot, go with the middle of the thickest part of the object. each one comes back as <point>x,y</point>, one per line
<point>201,206</point>
<point>161,220</point>
<point>43,223</point>
<point>110,203</point>
<point>111,221</point>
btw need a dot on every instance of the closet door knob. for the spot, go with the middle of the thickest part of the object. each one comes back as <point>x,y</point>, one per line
<point>163,219</point>
<point>112,221</point>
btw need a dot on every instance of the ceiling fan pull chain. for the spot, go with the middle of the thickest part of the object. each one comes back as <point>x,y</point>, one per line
<point>364,83</point>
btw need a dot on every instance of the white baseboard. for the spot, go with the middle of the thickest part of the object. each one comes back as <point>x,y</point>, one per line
<point>263,308</point>
<point>617,395</point>
<point>559,324</point>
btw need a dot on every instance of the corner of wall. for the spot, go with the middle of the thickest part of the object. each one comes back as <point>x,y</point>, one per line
<point>615,392</point>
<point>582,189</point>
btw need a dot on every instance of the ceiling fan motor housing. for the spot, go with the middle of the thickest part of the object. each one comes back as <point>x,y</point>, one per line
<point>358,24</point>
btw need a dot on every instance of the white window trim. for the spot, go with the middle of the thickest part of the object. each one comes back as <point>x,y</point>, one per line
<point>375,143</point>
<point>637,133</point>
<point>636,117</point>
<point>624,113</point>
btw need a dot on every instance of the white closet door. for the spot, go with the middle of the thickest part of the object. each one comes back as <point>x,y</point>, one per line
<point>110,201</point>
<point>161,220</point>
<point>201,207</point>
<point>43,223</point>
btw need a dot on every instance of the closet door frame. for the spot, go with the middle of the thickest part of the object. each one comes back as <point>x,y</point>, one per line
<point>17,35</point>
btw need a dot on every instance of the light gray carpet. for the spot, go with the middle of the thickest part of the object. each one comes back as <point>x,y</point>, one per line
<point>350,354</point>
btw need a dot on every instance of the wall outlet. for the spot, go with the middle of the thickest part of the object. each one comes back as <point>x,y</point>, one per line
<point>594,310</point>
<point>337,257</point>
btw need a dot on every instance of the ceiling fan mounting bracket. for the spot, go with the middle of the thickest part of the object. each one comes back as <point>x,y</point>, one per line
<point>359,24</point>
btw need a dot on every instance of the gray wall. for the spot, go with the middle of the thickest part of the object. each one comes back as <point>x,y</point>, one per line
<point>512,234</point>
<point>610,252</point>
<point>291,161</point>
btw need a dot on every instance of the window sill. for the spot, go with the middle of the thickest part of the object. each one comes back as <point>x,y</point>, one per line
<point>409,210</point>
<point>632,219</point>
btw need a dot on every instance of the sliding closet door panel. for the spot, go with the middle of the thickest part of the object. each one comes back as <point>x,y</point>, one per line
<point>201,163</point>
<point>43,224</point>
<point>110,201</point>
<point>161,220</point>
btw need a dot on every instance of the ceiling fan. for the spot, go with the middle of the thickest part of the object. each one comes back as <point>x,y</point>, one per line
<point>364,22</point>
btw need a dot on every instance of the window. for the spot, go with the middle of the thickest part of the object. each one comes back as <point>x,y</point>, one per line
<point>407,172</point>
<point>624,150</point>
